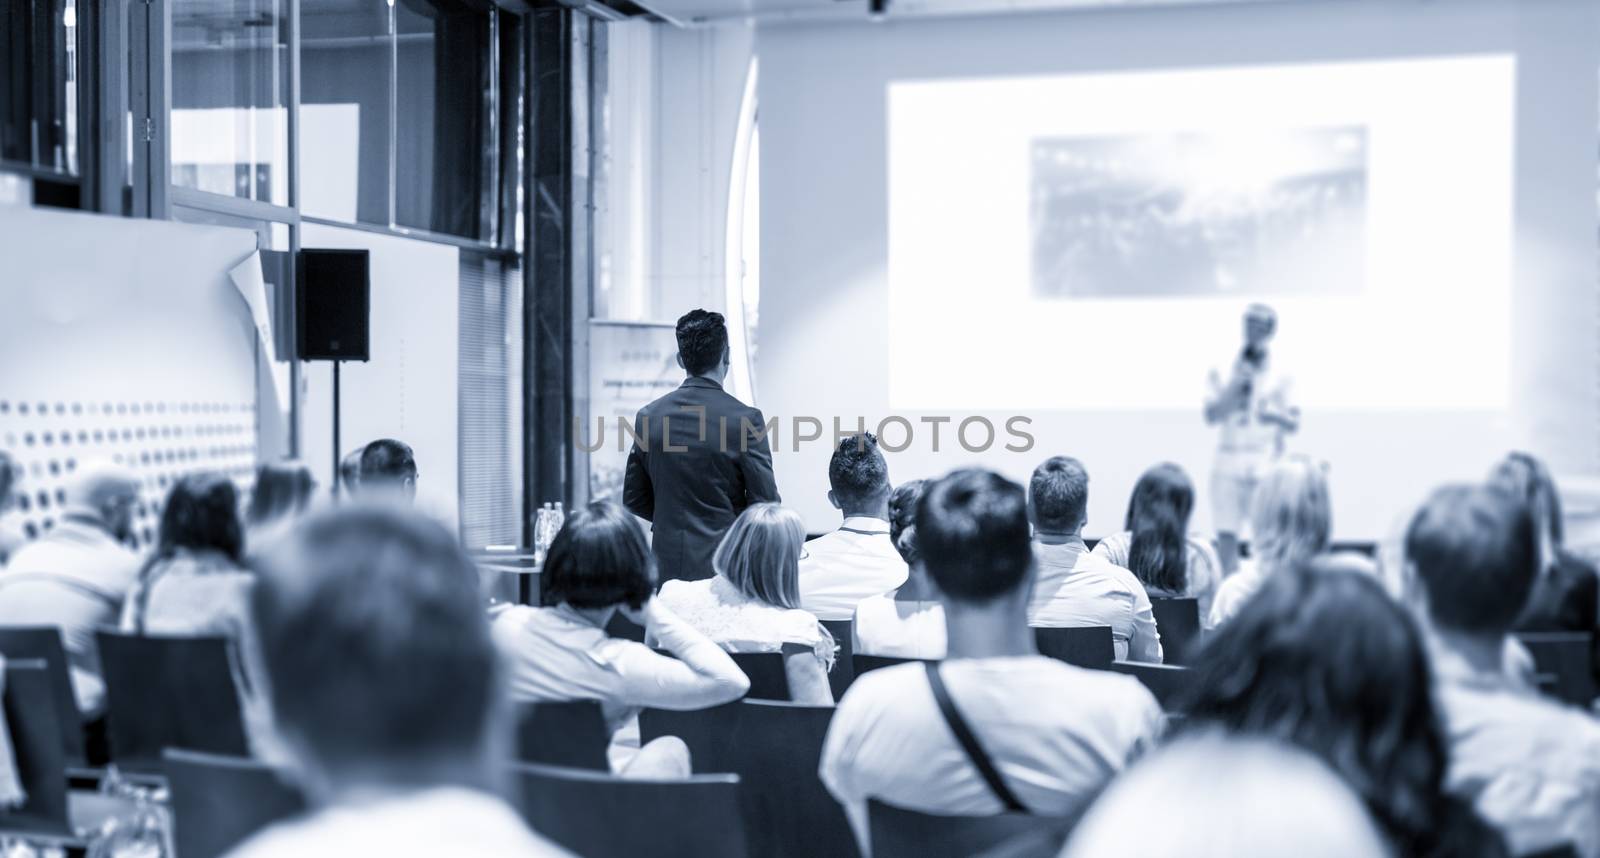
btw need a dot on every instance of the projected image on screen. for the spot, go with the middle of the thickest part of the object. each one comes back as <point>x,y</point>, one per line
<point>1256,212</point>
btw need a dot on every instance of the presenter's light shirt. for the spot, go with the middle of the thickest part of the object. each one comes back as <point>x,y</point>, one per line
<point>841,568</point>
<point>1244,437</point>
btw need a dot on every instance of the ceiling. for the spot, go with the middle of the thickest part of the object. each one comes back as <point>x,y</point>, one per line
<point>689,12</point>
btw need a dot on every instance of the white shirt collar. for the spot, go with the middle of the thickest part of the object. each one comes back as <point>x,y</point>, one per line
<point>870,523</point>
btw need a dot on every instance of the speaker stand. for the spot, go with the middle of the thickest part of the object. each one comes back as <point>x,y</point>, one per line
<point>338,457</point>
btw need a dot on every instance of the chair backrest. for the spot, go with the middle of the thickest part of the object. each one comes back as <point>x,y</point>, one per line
<point>572,733</point>
<point>43,643</point>
<point>218,802</point>
<point>1169,683</point>
<point>775,747</point>
<point>1178,621</point>
<point>900,833</point>
<point>30,707</point>
<point>1087,646</point>
<point>844,671</point>
<point>768,678</point>
<point>869,663</point>
<point>169,692</point>
<point>1569,658</point>
<point>601,816</point>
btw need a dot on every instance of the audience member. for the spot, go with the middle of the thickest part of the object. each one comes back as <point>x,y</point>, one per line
<point>388,470</point>
<point>1052,734</point>
<point>11,536</point>
<point>752,604</point>
<point>1289,523</point>
<point>282,494</point>
<point>907,622</point>
<point>1156,545</point>
<point>598,565</point>
<point>77,574</point>
<point>195,583</point>
<point>1530,765</point>
<point>700,457</point>
<point>1073,587</point>
<point>858,560</point>
<point>1566,594</point>
<point>1217,797</point>
<point>387,692</point>
<point>350,471</point>
<point>1325,660</point>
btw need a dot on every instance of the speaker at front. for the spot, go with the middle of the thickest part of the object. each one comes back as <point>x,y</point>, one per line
<point>334,292</point>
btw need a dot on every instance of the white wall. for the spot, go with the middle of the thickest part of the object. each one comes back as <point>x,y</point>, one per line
<point>824,222</point>
<point>409,388</point>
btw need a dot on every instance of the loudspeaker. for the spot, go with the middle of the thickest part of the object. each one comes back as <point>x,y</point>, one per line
<point>333,289</point>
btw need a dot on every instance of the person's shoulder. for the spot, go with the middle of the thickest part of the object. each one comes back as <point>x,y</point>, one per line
<point>303,837</point>
<point>885,687</point>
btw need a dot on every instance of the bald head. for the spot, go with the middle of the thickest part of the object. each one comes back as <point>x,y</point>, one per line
<point>106,492</point>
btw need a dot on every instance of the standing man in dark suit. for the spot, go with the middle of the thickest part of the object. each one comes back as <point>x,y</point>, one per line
<point>699,457</point>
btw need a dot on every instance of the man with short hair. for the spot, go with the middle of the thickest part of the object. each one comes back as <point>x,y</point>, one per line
<point>858,560</point>
<point>77,574</point>
<point>389,469</point>
<point>1074,588</point>
<point>1530,765</point>
<point>1046,736</point>
<point>700,457</point>
<point>386,692</point>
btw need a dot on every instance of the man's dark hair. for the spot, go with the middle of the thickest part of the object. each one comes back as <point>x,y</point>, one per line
<point>201,513</point>
<point>599,559</point>
<point>702,340</point>
<point>387,460</point>
<point>375,640</point>
<point>1059,491</point>
<point>1476,556</point>
<point>857,473</point>
<point>972,533</point>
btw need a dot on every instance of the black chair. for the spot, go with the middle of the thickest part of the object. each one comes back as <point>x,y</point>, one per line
<point>622,627</point>
<point>602,816</point>
<point>869,663</point>
<point>1568,658</point>
<point>1088,646</point>
<point>1178,621</point>
<point>844,671</point>
<point>769,680</point>
<point>571,734</point>
<point>169,692</point>
<point>1169,683</point>
<point>43,643</point>
<point>218,802</point>
<point>900,833</point>
<point>30,706</point>
<point>775,747</point>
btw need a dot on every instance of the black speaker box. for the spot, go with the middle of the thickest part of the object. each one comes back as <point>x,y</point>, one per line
<point>333,303</point>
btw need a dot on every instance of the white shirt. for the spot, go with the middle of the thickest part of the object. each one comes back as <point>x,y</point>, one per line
<point>1235,592</point>
<point>841,568</point>
<point>1530,765</point>
<point>1205,569</point>
<point>452,821</point>
<point>1074,588</point>
<point>888,627</point>
<point>1244,436</point>
<point>739,623</point>
<point>74,577</point>
<point>555,654</point>
<point>1056,732</point>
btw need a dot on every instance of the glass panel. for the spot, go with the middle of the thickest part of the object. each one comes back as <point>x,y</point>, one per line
<point>445,144</point>
<point>38,84</point>
<point>230,71</point>
<point>346,70</point>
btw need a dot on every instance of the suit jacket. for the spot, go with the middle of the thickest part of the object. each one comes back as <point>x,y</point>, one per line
<point>700,459</point>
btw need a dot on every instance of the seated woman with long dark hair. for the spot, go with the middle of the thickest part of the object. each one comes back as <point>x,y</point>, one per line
<point>597,566</point>
<point>1325,660</point>
<point>1157,546</point>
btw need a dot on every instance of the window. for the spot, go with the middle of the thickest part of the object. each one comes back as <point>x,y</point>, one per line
<point>346,81</point>
<point>490,404</point>
<point>230,85</point>
<point>39,85</point>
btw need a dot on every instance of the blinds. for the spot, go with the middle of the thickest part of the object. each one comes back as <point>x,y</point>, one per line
<point>490,401</point>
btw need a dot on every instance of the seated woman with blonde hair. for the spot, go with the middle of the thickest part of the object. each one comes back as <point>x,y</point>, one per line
<point>752,602</point>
